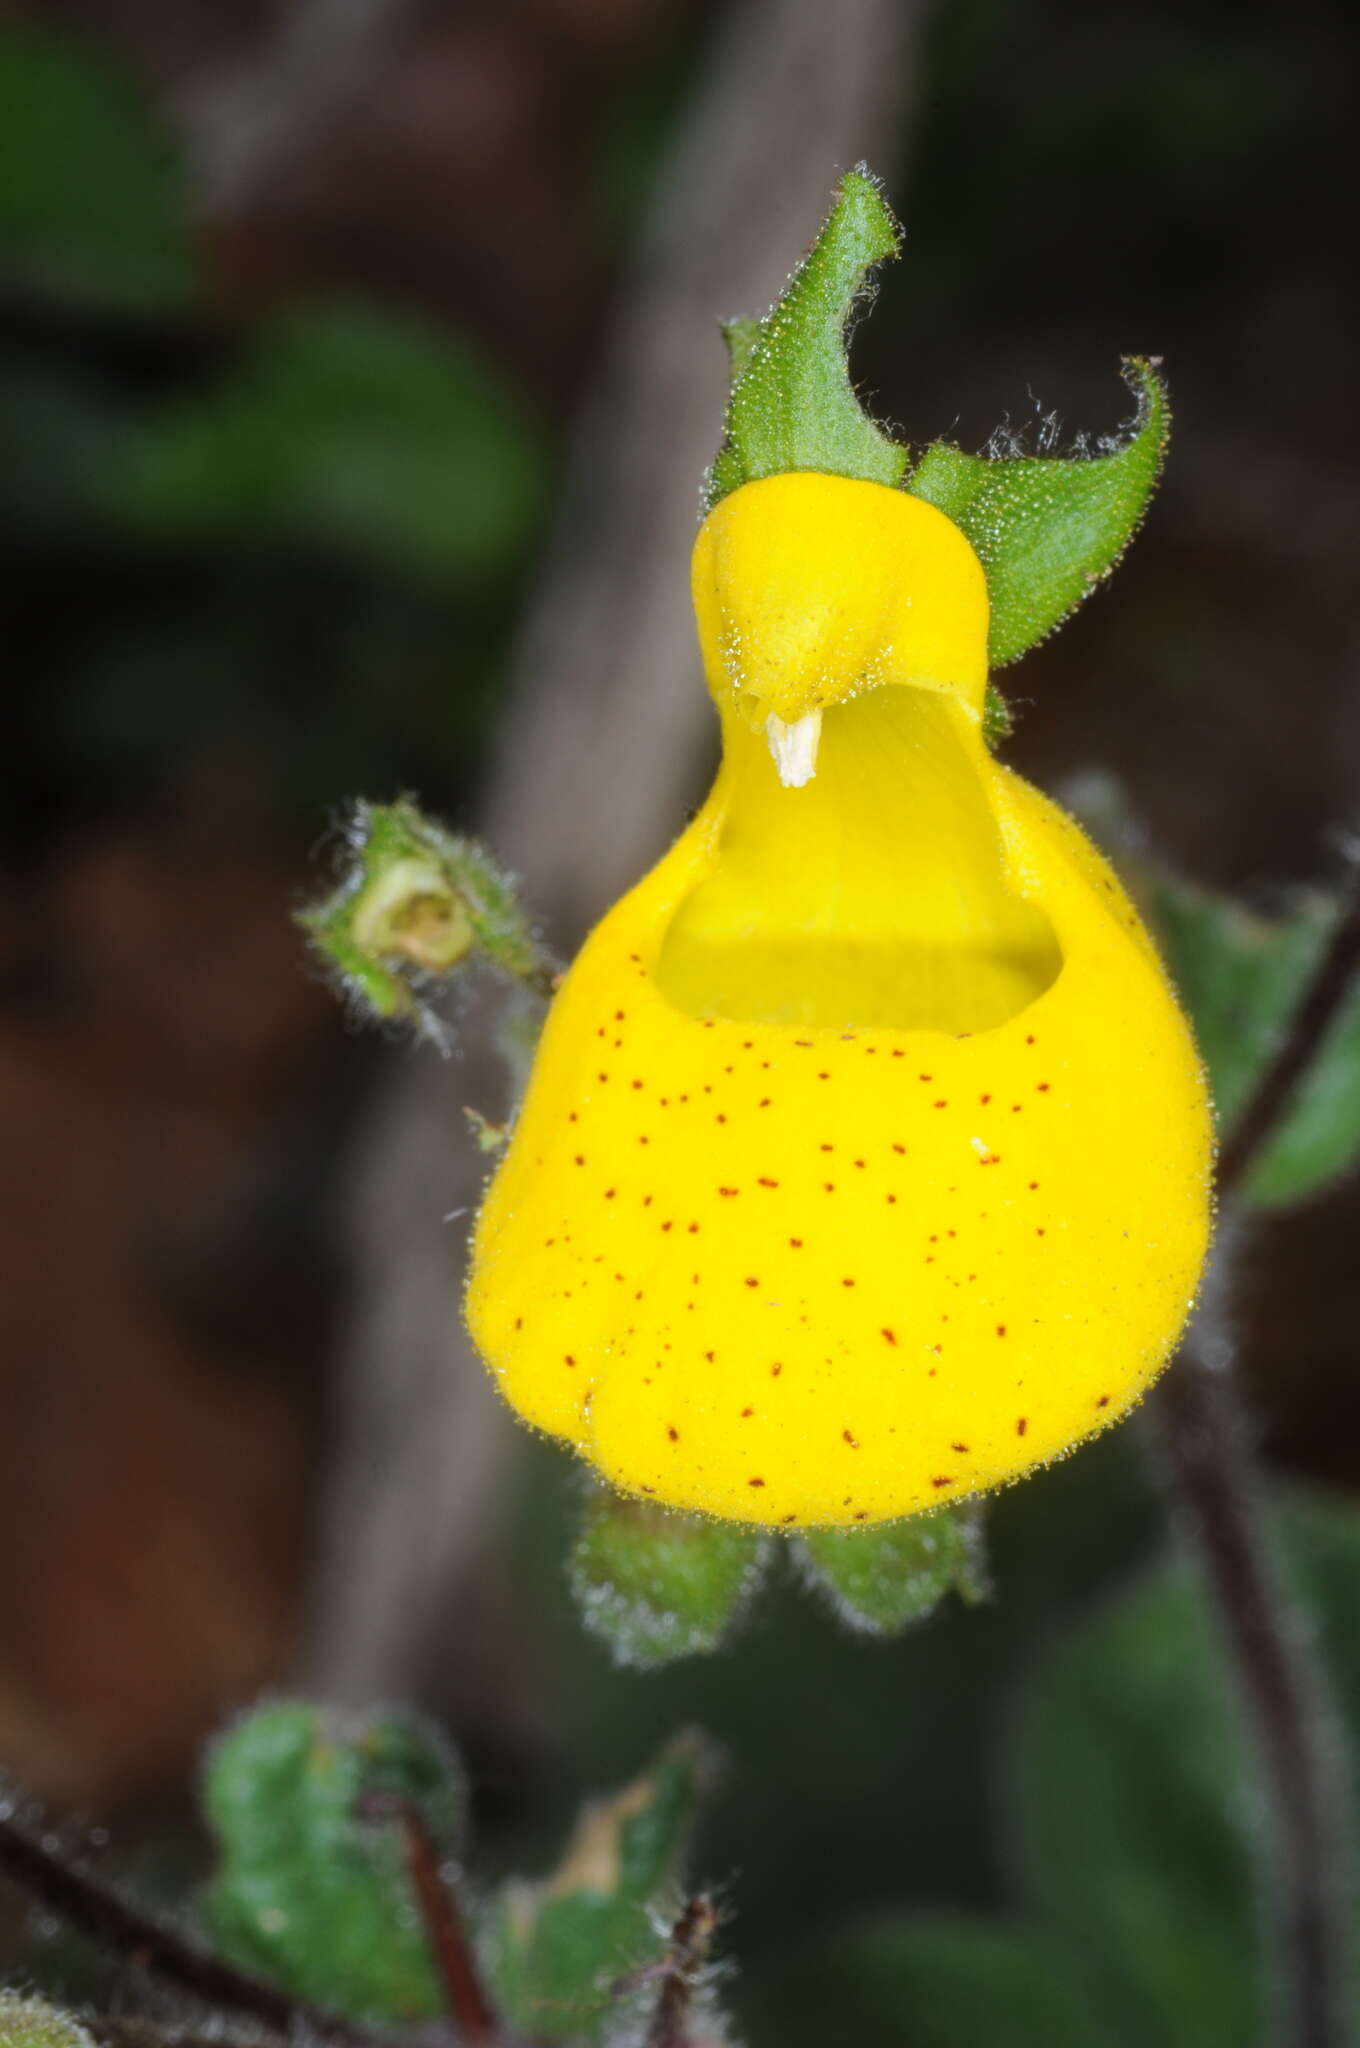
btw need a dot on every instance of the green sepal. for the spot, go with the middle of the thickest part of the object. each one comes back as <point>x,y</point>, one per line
<point>881,1581</point>
<point>792,405</point>
<point>1048,529</point>
<point>415,901</point>
<point>564,1950</point>
<point>32,2023</point>
<point>657,1585</point>
<point>311,1887</point>
<point>1241,977</point>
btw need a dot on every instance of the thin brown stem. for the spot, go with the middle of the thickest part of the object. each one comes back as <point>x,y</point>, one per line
<point>87,1904</point>
<point>1211,1465</point>
<point>1205,1435</point>
<point>468,2004</point>
<point>684,1958</point>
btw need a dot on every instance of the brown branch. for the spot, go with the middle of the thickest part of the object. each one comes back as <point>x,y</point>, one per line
<point>1206,1446</point>
<point>97,1911</point>
<point>465,1995</point>
<point>686,1952</point>
<point>1202,1427</point>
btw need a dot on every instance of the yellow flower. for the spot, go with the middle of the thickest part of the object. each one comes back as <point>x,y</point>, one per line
<point>865,1163</point>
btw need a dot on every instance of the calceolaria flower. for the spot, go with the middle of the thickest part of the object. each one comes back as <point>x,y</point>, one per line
<point>865,1161</point>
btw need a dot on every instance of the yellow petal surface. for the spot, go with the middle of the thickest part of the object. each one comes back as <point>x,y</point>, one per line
<point>865,1161</point>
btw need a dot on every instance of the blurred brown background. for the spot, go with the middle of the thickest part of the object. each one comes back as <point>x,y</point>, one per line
<point>359,365</point>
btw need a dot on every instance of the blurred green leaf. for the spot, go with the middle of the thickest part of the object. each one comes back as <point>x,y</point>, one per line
<point>310,1890</point>
<point>1241,976</point>
<point>350,429</point>
<point>31,2023</point>
<point>881,1580</point>
<point>562,1947</point>
<point>657,1585</point>
<point>91,196</point>
<point>1135,1803</point>
<point>925,1980</point>
<point>793,405</point>
<point>1048,529</point>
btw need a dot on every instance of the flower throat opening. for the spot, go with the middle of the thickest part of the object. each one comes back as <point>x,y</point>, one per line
<point>874,895</point>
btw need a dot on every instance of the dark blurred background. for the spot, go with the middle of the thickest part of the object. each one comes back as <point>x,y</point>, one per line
<point>358,364</point>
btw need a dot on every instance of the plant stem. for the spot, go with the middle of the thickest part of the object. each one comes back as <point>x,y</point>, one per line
<point>1211,1465</point>
<point>99,1912</point>
<point>685,1952</point>
<point>1203,1428</point>
<point>469,2007</point>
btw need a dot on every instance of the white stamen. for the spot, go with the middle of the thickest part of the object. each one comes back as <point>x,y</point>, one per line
<point>795,747</point>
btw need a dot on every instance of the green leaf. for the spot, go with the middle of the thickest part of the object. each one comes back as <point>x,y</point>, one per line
<point>1048,529</point>
<point>926,1980</point>
<point>91,199</point>
<point>30,2023</point>
<point>657,1585</point>
<point>1136,1801</point>
<point>793,405</point>
<point>345,429</point>
<point>882,1580</point>
<point>312,1891</point>
<point>1241,977</point>
<point>561,1947</point>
